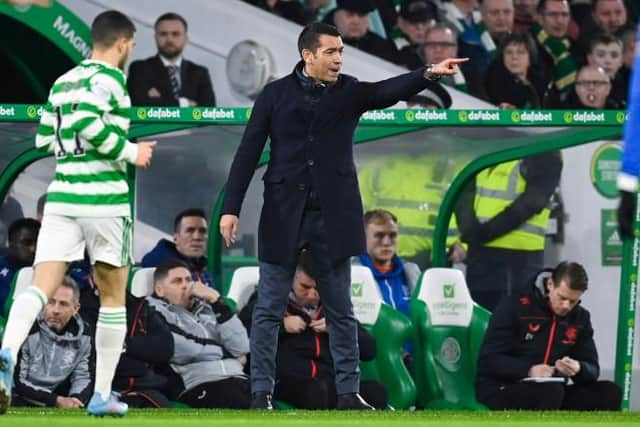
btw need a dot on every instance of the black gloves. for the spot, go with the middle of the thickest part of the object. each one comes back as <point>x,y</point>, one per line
<point>626,211</point>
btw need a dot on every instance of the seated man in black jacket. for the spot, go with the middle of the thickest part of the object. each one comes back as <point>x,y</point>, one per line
<point>304,367</point>
<point>539,353</point>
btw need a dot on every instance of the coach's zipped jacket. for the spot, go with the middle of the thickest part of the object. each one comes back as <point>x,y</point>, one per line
<point>524,331</point>
<point>208,340</point>
<point>52,364</point>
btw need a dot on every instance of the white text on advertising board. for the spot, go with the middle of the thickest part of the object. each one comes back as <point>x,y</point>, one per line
<point>10,111</point>
<point>379,115</point>
<point>428,115</point>
<point>490,116</point>
<point>588,117</point>
<point>218,113</point>
<point>65,30</point>
<point>536,116</point>
<point>163,113</point>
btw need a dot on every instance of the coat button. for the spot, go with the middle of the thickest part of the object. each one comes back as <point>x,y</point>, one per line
<point>310,138</point>
<point>310,162</point>
<point>301,187</point>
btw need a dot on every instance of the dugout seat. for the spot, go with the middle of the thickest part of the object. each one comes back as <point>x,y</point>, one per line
<point>391,330</point>
<point>141,282</point>
<point>449,329</point>
<point>244,282</point>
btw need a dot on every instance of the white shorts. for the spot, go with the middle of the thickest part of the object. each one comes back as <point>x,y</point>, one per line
<point>64,238</point>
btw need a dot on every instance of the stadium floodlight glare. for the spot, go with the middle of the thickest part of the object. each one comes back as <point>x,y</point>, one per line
<point>250,66</point>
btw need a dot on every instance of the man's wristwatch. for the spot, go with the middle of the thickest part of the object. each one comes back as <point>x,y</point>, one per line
<point>430,75</point>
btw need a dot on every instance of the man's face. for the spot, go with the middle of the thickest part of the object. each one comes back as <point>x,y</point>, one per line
<point>593,87</point>
<point>381,241</point>
<point>304,288</point>
<point>440,45</point>
<point>176,287</point>
<point>516,59</point>
<point>22,250</point>
<point>191,236</point>
<point>610,15</point>
<point>498,16</point>
<point>606,56</point>
<point>527,7</point>
<point>171,37</point>
<point>324,64</point>
<point>555,18</point>
<point>352,25</point>
<point>60,308</point>
<point>415,31</point>
<point>562,298</point>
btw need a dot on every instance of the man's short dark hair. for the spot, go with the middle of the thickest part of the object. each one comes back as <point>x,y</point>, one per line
<point>573,274</point>
<point>310,36</point>
<point>110,26</point>
<point>603,38</point>
<point>185,213</point>
<point>171,16</point>
<point>306,262</point>
<point>542,5</point>
<point>20,224</point>
<point>162,270</point>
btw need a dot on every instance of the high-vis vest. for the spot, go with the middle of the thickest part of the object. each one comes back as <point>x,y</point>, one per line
<point>497,188</point>
<point>411,189</point>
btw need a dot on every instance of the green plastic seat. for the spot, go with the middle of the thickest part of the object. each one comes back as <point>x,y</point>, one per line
<point>391,330</point>
<point>449,329</point>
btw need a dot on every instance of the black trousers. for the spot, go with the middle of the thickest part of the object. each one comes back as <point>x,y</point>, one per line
<point>233,393</point>
<point>598,396</point>
<point>321,393</point>
<point>148,398</point>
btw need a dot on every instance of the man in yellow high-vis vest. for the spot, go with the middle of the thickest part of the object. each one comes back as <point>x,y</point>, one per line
<point>503,216</point>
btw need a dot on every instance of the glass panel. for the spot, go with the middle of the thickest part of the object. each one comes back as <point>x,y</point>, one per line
<point>188,170</point>
<point>15,138</point>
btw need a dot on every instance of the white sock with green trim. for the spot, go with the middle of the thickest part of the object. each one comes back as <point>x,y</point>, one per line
<point>24,310</point>
<point>111,330</point>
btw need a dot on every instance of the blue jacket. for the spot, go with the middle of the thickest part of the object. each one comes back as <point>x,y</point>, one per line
<point>311,133</point>
<point>396,285</point>
<point>7,271</point>
<point>628,177</point>
<point>165,250</point>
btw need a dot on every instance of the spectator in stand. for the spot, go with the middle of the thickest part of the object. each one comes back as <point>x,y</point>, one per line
<point>511,80</point>
<point>474,41</point>
<point>557,57</point>
<point>56,360</point>
<point>23,235</point>
<point>292,10</point>
<point>10,211</point>
<point>351,17</point>
<point>498,17</point>
<point>524,14</point>
<point>591,91</point>
<point>416,16</point>
<point>441,43</point>
<point>610,16</point>
<point>189,245</point>
<point>605,51</point>
<point>167,79</point>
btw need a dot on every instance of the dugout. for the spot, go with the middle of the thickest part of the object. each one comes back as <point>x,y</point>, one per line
<point>196,146</point>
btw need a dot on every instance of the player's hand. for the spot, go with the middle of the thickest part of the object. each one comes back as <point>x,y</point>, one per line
<point>294,324</point>
<point>319,325</point>
<point>68,402</point>
<point>229,228</point>
<point>448,67</point>
<point>567,366</point>
<point>541,370</point>
<point>145,152</point>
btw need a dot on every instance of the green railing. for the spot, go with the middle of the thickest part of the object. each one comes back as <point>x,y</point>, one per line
<point>581,127</point>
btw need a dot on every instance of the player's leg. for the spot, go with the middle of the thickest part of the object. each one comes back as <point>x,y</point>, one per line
<point>59,242</point>
<point>109,246</point>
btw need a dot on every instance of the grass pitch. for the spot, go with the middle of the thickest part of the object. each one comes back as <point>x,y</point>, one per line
<point>221,418</point>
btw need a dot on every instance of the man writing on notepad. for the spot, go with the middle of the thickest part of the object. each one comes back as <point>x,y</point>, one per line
<point>539,352</point>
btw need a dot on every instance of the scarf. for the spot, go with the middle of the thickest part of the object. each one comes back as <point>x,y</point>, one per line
<point>565,70</point>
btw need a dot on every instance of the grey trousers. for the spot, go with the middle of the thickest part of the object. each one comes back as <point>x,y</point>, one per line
<point>333,280</point>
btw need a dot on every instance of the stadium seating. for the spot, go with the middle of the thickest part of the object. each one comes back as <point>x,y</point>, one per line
<point>449,328</point>
<point>391,330</point>
<point>21,281</point>
<point>141,282</point>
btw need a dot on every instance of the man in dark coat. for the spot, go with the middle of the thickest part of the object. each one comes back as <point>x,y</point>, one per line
<point>539,339</point>
<point>167,79</point>
<point>311,195</point>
